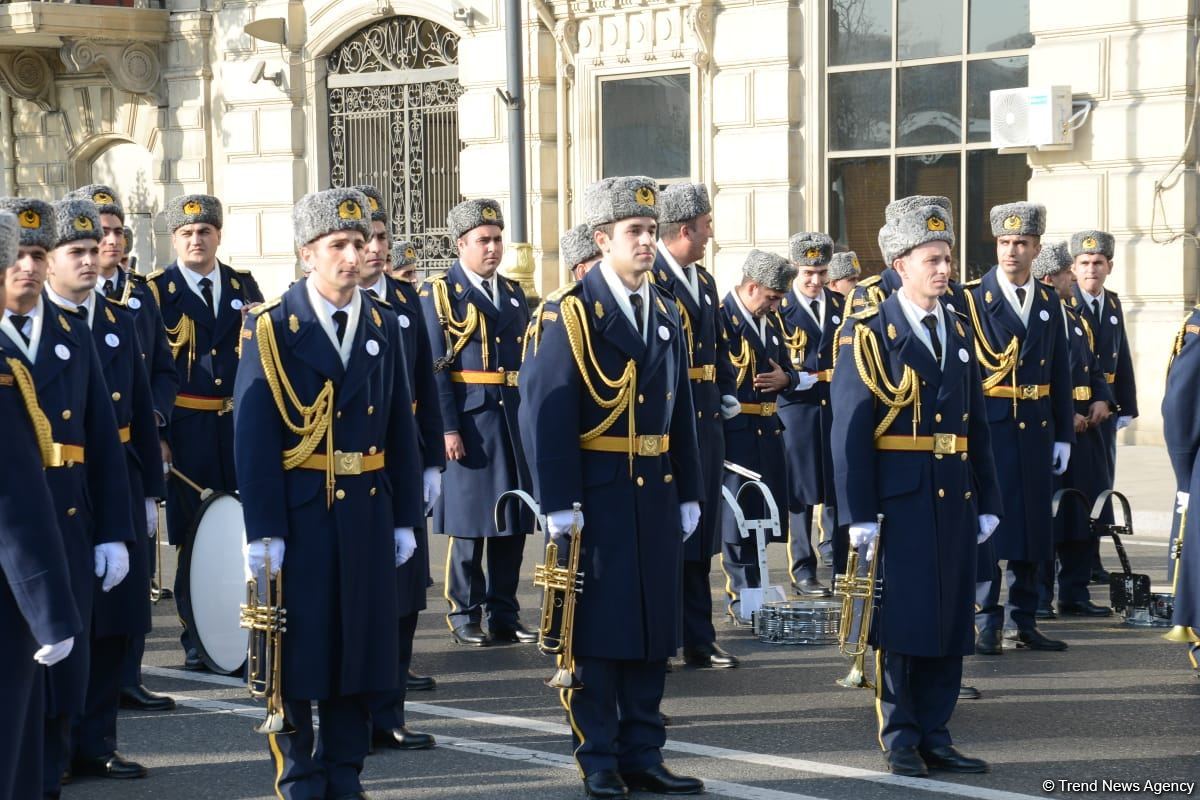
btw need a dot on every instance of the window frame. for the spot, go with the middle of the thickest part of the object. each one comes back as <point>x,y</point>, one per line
<point>636,74</point>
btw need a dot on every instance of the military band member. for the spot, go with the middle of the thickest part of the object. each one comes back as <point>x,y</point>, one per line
<point>614,339</point>
<point>403,265</point>
<point>1088,470</point>
<point>326,360</point>
<point>412,578</point>
<point>1026,370</point>
<point>85,469</point>
<point>911,442</point>
<point>685,228</point>
<point>753,431</point>
<point>810,315</point>
<point>203,303</point>
<point>476,321</point>
<point>578,251</point>
<point>1092,252</point>
<point>844,272</point>
<point>38,618</point>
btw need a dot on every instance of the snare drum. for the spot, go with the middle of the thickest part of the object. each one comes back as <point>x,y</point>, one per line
<point>801,622</point>
<point>1157,612</point>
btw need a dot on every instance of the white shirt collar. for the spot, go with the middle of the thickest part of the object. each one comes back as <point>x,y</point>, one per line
<point>34,326</point>
<point>1009,290</point>
<point>1088,298</point>
<point>193,281</point>
<point>759,325</point>
<point>476,280</point>
<point>324,311</point>
<point>380,287</point>
<point>806,303</point>
<point>621,294</point>
<point>689,277</point>
<point>915,315</point>
<point>70,305</point>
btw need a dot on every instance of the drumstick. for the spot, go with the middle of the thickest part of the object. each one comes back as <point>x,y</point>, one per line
<point>204,493</point>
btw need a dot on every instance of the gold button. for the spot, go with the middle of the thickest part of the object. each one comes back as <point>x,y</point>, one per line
<point>116,397</point>
<point>1021,363</point>
<point>777,431</point>
<point>501,402</point>
<point>372,450</point>
<point>937,417</point>
<point>497,340</point>
<point>641,398</point>
<point>668,478</point>
<point>941,492</point>
<point>372,492</point>
<point>339,415</point>
<point>937,456</point>
<point>216,381</point>
<point>214,351</point>
<point>716,415</point>
<point>1085,369</point>
<point>699,415</point>
<point>370,411</point>
<point>669,395</point>
<point>72,511</point>
<point>1043,423</point>
<point>66,413</point>
<point>340,494</point>
<point>760,431</point>
<point>966,495</point>
<point>822,402</point>
<point>963,456</point>
<point>641,481</point>
<point>965,417</point>
<point>1021,425</point>
<point>1043,362</point>
<point>519,338</point>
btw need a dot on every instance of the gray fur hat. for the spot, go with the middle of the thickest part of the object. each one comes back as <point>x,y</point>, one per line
<point>194,209</point>
<point>844,265</point>
<point>320,213</point>
<point>374,202</point>
<point>682,202</point>
<point>577,245</point>
<point>404,254</point>
<point>35,218</point>
<point>75,220</point>
<point>1053,259</point>
<point>811,249</point>
<point>1018,219</point>
<point>471,214</point>
<point>614,199</point>
<point>914,221</point>
<point>105,198</point>
<point>128,240</point>
<point>10,239</point>
<point>772,271</point>
<point>1092,242</point>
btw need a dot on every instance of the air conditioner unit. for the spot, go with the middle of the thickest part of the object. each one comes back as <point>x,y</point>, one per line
<point>1032,117</point>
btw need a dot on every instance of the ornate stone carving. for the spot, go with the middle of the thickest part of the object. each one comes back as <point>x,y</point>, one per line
<point>28,75</point>
<point>699,18</point>
<point>134,67</point>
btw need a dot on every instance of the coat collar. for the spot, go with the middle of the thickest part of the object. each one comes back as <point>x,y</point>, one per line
<point>609,319</point>
<point>905,344</point>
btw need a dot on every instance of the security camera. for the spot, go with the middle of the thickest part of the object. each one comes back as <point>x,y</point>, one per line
<point>259,69</point>
<point>465,15</point>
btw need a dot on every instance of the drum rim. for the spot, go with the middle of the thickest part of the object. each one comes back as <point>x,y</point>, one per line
<point>185,568</point>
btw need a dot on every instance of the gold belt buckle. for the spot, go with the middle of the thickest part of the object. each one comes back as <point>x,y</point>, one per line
<point>710,372</point>
<point>347,463</point>
<point>226,406</point>
<point>945,444</point>
<point>510,378</point>
<point>56,454</point>
<point>768,409</point>
<point>649,445</point>
<point>1028,391</point>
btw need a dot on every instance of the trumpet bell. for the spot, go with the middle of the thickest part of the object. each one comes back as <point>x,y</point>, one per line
<point>1182,634</point>
<point>856,678</point>
<point>564,678</point>
<point>275,723</point>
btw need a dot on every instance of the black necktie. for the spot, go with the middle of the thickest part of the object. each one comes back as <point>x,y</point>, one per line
<point>1021,297</point>
<point>930,322</point>
<point>635,300</point>
<point>206,291</point>
<point>340,318</point>
<point>81,312</point>
<point>374,293</point>
<point>487,289</point>
<point>1096,309</point>
<point>110,288</point>
<point>816,309</point>
<point>18,321</point>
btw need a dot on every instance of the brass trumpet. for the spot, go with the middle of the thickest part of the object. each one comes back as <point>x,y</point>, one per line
<point>1181,634</point>
<point>562,587</point>
<point>858,593</point>
<point>267,622</point>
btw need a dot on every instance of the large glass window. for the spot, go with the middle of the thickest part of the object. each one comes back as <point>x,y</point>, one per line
<point>645,126</point>
<point>908,86</point>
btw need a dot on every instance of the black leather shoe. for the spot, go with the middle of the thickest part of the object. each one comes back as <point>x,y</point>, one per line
<point>947,759</point>
<point>810,587</point>
<point>1045,612</point>
<point>1085,609</point>
<point>988,643</point>
<point>968,692</point>
<point>906,761</point>
<point>112,765</point>
<point>193,662</point>
<point>516,633</point>
<point>660,780</point>
<point>1035,640</point>
<point>709,655</point>
<point>403,739</point>
<point>420,683</point>
<point>142,699</point>
<point>1099,577</point>
<point>470,634</point>
<point>605,784</point>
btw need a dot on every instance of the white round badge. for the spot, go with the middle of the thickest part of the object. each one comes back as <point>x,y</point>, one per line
<point>708,299</point>
<point>963,355</point>
<point>775,340</point>
<point>1077,331</point>
<point>1045,315</point>
<point>950,306</point>
<point>372,347</point>
<point>663,333</point>
<point>235,304</point>
<point>836,319</point>
<point>404,321</point>
<point>134,303</point>
<point>112,340</point>
<point>62,352</point>
<point>1113,319</point>
<point>516,303</point>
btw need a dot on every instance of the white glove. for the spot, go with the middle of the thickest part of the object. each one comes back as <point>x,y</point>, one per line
<point>987,526</point>
<point>151,517</point>
<point>559,523</point>
<point>50,654</point>
<point>689,517</point>
<point>805,381</point>
<point>431,486</point>
<point>864,534</point>
<point>730,407</point>
<point>1061,457</point>
<point>1123,422</point>
<point>256,555</point>
<point>406,544</point>
<point>112,563</point>
<point>1181,502</point>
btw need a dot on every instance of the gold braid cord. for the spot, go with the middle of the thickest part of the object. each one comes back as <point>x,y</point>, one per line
<point>181,336</point>
<point>796,341</point>
<point>1090,337</point>
<point>459,331</point>
<point>1177,346</point>
<point>574,319</point>
<point>686,321</point>
<point>996,366</point>
<point>41,425</point>
<point>744,362</point>
<point>317,419</point>
<point>871,368</point>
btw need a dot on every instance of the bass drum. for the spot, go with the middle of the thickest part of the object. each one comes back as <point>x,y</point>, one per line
<point>213,567</point>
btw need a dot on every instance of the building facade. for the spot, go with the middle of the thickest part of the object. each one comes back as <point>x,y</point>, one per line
<point>798,115</point>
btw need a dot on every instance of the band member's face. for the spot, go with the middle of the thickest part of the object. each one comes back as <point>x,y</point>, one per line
<point>759,300</point>
<point>631,249</point>
<point>480,249</point>
<point>1015,254</point>
<point>196,245</point>
<point>584,267</point>
<point>375,254</point>
<point>844,286</point>
<point>112,245</point>
<point>1091,270</point>
<point>25,279</point>
<point>336,260</point>
<point>810,281</point>
<point>1063,283</point>
<point>74,267</point>
<point>925,270</point>
<point>699,233</point>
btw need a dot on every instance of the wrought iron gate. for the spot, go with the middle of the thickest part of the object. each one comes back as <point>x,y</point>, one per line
<point>393,123</point>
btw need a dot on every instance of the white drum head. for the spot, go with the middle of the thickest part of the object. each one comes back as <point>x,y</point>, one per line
<point>218,584</point>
